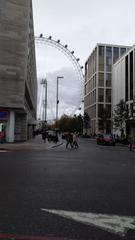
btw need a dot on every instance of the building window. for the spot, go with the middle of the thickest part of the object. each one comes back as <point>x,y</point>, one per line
<point>100,110</point>
<point>87,87</point>
<point>131,110</point>
<point>101,95</point>
<point>115,54</point>
<point>108,126</point>
<point>90,85</point>
<point>108,59</point>
<point>108,95</point>
<point>126,78</point>
<point>95,80</point>
<point>108,110</point>
<point>101,79</point>
<point>101,51</point>
<point>93,111</point>
<point>101,58</point>
<point>108,79</point>
<point>95,96</point>
<point>100,125</point>
<point>131,75</point>
<point>122,51</point>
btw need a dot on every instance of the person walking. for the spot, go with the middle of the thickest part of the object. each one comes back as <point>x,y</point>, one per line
<point>69,139</point>
<point>75,140</point>
<point>44,135</point>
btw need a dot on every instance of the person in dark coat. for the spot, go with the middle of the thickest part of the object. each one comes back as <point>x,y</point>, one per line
<point>69,140</point>
<point>44,136</point>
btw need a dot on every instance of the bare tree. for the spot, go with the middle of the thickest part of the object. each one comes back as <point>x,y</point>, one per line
<point>121,115</point>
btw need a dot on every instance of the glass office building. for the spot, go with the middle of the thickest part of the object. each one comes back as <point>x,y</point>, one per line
<point>98,85</point>
<point>123,85</point>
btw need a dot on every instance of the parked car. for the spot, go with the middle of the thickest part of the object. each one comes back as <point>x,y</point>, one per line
<point>106,139</point>
<point>52,135</point>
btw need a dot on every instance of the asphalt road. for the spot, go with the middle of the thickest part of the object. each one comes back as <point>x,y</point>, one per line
<point>91,179</point>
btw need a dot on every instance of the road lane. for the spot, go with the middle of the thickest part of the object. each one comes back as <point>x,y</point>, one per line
<point>93,178</point>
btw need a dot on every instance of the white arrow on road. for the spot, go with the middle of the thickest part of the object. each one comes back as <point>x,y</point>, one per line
<point>111,223</point>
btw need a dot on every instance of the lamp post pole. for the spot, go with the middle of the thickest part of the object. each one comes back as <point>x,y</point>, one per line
<point>44,82</point>
<point>45,101</point>
<point>57,99</point>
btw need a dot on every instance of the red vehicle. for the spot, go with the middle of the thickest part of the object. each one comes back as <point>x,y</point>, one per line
<point>106,139</point>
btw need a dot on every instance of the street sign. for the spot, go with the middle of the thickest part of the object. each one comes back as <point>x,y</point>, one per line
<point>3,114</point>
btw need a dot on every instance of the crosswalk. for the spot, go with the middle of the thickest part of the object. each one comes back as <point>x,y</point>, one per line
<point>3,150</point>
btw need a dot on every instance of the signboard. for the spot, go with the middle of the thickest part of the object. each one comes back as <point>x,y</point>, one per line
<point>3,114</point>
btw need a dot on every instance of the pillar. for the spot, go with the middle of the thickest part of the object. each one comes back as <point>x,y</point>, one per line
<point>11,127</point>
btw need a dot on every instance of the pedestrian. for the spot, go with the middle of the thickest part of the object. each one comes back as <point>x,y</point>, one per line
<point>130,142</point>
<point>69,139</point>
<point>75,140</point>
<point>2,137</point>
<point>44,135</point>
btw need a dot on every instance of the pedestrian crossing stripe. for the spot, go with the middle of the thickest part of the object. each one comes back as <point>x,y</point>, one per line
<point>112,223</point>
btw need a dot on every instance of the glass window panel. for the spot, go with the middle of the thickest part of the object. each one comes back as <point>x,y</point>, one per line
<point>100,109</point>
<point>100,125</point>
<point>101,58</point>
<point>108,126</point>
<point>101,79</point>
<point>101,95</point>
<point>108,79</point>
<point>108,110</point>
<point>115,54</point>
<point>122,51</point>
<point>108,95</point>
<point>101,51</point>
<point>108,59</point>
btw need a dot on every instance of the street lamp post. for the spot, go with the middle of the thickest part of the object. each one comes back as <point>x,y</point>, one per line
<point>44,82</point>
<point>45,100</point>
<point>57,99</point>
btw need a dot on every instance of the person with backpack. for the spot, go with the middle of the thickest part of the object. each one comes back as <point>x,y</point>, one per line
<point>69,139</point>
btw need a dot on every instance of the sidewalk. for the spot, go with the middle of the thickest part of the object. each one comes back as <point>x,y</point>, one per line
<point>35,144</point>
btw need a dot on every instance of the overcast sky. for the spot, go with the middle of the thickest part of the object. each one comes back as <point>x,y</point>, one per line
<point>80,24</point>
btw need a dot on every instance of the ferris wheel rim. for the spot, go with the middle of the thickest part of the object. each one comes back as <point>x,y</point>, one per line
<point>64,48</point>
<point>70,54</point>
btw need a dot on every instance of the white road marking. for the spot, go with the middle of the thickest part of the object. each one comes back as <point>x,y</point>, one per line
<point>111,223</point>
<point>3,151</point>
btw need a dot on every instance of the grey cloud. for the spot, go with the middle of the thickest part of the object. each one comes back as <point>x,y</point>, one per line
<point>69,89</point>
<point>80,24</point>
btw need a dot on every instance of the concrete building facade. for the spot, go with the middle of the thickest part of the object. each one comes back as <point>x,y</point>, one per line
<point>98,84</point>
<point>123,87</point>
<point>18,80</point>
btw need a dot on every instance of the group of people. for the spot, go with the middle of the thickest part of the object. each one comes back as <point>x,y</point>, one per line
<point>72,140</point>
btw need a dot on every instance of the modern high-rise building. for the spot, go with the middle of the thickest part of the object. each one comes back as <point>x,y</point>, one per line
<point>123,86</point>
<point>18,80</point>
<point>98,84</point>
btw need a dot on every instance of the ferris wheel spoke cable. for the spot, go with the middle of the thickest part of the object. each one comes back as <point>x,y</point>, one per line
<point>70,55</point>
<point>41,103</point>
<point>64,49</point>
